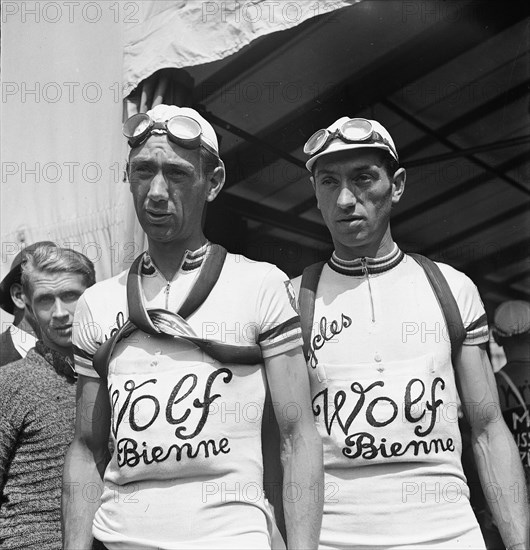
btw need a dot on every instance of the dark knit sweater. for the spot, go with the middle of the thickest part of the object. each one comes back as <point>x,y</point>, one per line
<point>8,351</point>
<point>37,414</point>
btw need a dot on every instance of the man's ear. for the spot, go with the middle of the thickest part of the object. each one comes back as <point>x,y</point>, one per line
<point>398,185</point>
<point>126,174</point>
<point>216,181</point>
<point>17,295</point>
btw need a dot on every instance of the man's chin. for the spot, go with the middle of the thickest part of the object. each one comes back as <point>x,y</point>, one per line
<point>351,235</point>
<point>164,238</point>
<point>352,240</point>
<point>159,233</point>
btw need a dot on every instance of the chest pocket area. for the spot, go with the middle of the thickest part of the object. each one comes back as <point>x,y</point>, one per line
<point>370,412</point>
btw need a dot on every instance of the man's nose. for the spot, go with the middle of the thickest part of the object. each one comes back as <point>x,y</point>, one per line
<point>346,198</point>
<point>59,309</point>
<point>158,189</point>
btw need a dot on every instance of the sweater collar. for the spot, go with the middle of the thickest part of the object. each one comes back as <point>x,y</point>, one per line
<point>192,260</point>
<point>63,365</point>
<point>362,266</point>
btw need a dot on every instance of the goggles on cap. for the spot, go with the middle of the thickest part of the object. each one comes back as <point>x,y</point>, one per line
<point>182,130</point>
<point>355,130</point>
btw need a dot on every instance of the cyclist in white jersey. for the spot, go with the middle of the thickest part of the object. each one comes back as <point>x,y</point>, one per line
<point>183,394</point>
<point>383,382</point>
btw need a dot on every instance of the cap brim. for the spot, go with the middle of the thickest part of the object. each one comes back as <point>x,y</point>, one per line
<point>6,303</point>
<point>510,332</point>
<point>340,146</point>
<point>14,276</point>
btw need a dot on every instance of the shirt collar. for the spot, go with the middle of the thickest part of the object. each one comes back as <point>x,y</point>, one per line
<point>191,261</point>
<point>362,266</point>
<point>22,340</point>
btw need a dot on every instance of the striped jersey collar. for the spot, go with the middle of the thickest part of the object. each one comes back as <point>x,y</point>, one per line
<point>192,260</point>
<point>362,266</point>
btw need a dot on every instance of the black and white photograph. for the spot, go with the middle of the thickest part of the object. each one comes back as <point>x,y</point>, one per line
<point>265,275</point>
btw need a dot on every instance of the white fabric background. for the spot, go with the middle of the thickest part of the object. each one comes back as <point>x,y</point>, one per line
<point>183,33</point>
<point>61,117</point>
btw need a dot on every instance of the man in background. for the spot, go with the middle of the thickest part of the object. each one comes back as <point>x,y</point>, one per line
<point>37,401</point>
<point>21,335</point>
<point>511,330</point>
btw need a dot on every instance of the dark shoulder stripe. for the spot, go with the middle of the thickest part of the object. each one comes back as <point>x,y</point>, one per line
<point>482,321</point>
<point>290,324</point>
<point>82,353</point>
<point>190,266</point>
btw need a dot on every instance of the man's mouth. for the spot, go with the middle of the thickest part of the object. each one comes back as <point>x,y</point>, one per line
<point>62,330</point>
<point>157,215</point>
<point>350,219</point>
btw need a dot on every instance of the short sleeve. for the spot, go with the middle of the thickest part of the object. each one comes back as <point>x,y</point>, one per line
<point>470,306</point>
<point>277,312</point>
<point>474,317</point>
<point>86,338</point>
<point>297,283</point>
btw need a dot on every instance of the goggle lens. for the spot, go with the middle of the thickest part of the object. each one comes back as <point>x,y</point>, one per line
<point>357,129</point>
<point>136,125</point>
<point>184,128</point>
<point>141,128</point>
<point>316,141</point>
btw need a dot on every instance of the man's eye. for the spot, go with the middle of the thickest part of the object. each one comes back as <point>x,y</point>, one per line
<point>142,171</point>
<point>327,181</point>
<point>70,297</point>
<point>176,174</point>
<point>45,301</point>
<point>364,178</point>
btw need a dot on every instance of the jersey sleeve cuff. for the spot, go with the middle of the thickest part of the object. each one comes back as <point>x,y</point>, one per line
<point>289,343</point>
